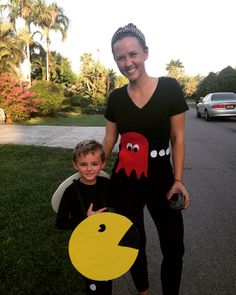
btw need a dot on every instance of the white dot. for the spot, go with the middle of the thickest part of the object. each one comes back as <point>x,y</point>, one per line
<point>93,287</point>
<point>167,151</point>
<point>153,154</point>
<point>162,153</point>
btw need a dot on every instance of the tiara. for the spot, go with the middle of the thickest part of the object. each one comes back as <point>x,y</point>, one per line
<point>129,29</point>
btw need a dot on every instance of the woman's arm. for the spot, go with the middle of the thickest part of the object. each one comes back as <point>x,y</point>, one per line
<point>110,139</point>
<point>177,138</point>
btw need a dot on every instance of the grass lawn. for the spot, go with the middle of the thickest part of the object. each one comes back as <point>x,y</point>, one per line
<point>69,119</point>
<point>34,255</point>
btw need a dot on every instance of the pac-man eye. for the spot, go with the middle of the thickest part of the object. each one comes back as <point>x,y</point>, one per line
<point>129,146</point>
<point>136,148</point>
<point>102,228</point>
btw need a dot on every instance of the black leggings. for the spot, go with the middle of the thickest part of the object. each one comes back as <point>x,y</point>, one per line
<point>129,197</point>
<point>169,224</point>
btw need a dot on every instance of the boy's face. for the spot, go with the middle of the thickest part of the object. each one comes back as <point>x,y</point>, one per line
<point>89,167</point>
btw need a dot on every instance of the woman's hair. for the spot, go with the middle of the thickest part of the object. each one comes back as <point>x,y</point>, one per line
<point>126,31</point>
<point>88,146</point>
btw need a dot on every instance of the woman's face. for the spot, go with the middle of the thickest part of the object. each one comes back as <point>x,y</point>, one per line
<point>130,57</point>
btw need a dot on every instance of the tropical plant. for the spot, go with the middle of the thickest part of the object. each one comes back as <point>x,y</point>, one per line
<point>120,81</point>
<point>38,61</point>
<point>189,85</point>
<point>93,80</point>
<point>175,69</point>
<point>61,71</point>
<point>11,48</point>
<point>26,11</point>
<point>52,18</point>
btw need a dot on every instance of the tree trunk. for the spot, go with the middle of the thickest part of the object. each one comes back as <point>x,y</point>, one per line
<point>47,61</point>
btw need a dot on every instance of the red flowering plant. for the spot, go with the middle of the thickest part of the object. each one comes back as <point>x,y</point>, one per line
<point>16,100</point>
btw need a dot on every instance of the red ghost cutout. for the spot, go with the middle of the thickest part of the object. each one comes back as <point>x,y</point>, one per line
<point>133,154</point>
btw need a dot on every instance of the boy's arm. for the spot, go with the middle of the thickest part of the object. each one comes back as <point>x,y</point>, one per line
<point>63,220</point>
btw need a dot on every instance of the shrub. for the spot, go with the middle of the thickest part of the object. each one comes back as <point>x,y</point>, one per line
<point>68,108</point>
<point>80,101</point>
<point>91,110</point>
<point>53,95</point>
<point>16,100</point>
<point>87,105</point>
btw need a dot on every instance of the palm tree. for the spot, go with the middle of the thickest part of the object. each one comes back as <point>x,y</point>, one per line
<point>52,19</point>
<point>38,60</point>
<point>11,48</point>
<point>175,69</point>
<point>25,10</point>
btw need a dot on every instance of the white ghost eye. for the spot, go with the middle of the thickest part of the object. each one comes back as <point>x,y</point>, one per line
<point>129,146</point>
<point>136,148</point>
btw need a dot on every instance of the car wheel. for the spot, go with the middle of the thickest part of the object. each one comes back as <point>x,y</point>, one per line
<point>198,115</point>
<point>207,117</point>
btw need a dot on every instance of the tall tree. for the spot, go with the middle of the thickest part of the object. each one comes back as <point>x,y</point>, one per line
<point>227,79</point>
<point>190,84</point>
<point>175,69</point>
<point>38,61</point>
<point>25,10</point>
<point>93,82</point>
<point>207,85</point>
<point>52,18</point>
<point>11,48</point>
<point>61,71</point>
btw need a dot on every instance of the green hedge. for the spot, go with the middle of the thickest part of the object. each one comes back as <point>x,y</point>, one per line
<point>52,95</point>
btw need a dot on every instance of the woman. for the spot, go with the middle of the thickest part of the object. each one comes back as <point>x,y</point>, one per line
<point>148,113</point>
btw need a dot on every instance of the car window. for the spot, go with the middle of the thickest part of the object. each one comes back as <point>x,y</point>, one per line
<point>223,96</point>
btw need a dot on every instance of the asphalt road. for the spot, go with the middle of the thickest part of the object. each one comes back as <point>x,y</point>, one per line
<point>210,221</point>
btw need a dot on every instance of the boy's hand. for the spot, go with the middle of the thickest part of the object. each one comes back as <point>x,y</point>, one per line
<point>91,212</point>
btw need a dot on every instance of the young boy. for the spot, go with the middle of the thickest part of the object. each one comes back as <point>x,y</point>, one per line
<point>86,196</point>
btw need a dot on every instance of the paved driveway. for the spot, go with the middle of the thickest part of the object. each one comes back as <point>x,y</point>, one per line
<point>52,136</point>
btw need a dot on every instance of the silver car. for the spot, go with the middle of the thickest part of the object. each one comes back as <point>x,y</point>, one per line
<point>219,104</point>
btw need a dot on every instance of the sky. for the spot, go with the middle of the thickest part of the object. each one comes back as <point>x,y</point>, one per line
<point>200,33</point>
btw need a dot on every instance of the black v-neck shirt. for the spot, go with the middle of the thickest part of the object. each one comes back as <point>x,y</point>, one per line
<point>152,121</point>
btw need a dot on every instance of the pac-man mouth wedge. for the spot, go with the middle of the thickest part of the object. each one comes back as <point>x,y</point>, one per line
<point>104,246</point>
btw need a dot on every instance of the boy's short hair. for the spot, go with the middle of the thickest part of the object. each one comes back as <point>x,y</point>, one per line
<point>88,146</point>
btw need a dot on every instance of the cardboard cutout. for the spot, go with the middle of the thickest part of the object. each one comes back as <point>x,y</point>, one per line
<point>133,155</point>
<point>104,246</point>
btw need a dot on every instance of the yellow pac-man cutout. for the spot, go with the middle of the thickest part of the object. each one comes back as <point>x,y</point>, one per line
<point>104,246</point>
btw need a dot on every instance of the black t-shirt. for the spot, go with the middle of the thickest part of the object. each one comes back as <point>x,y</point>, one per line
<point>145,132</point>
<point>72,209</point>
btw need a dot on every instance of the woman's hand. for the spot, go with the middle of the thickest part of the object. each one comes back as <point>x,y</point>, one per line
<point>178,187</point>
<point>91,212</point>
